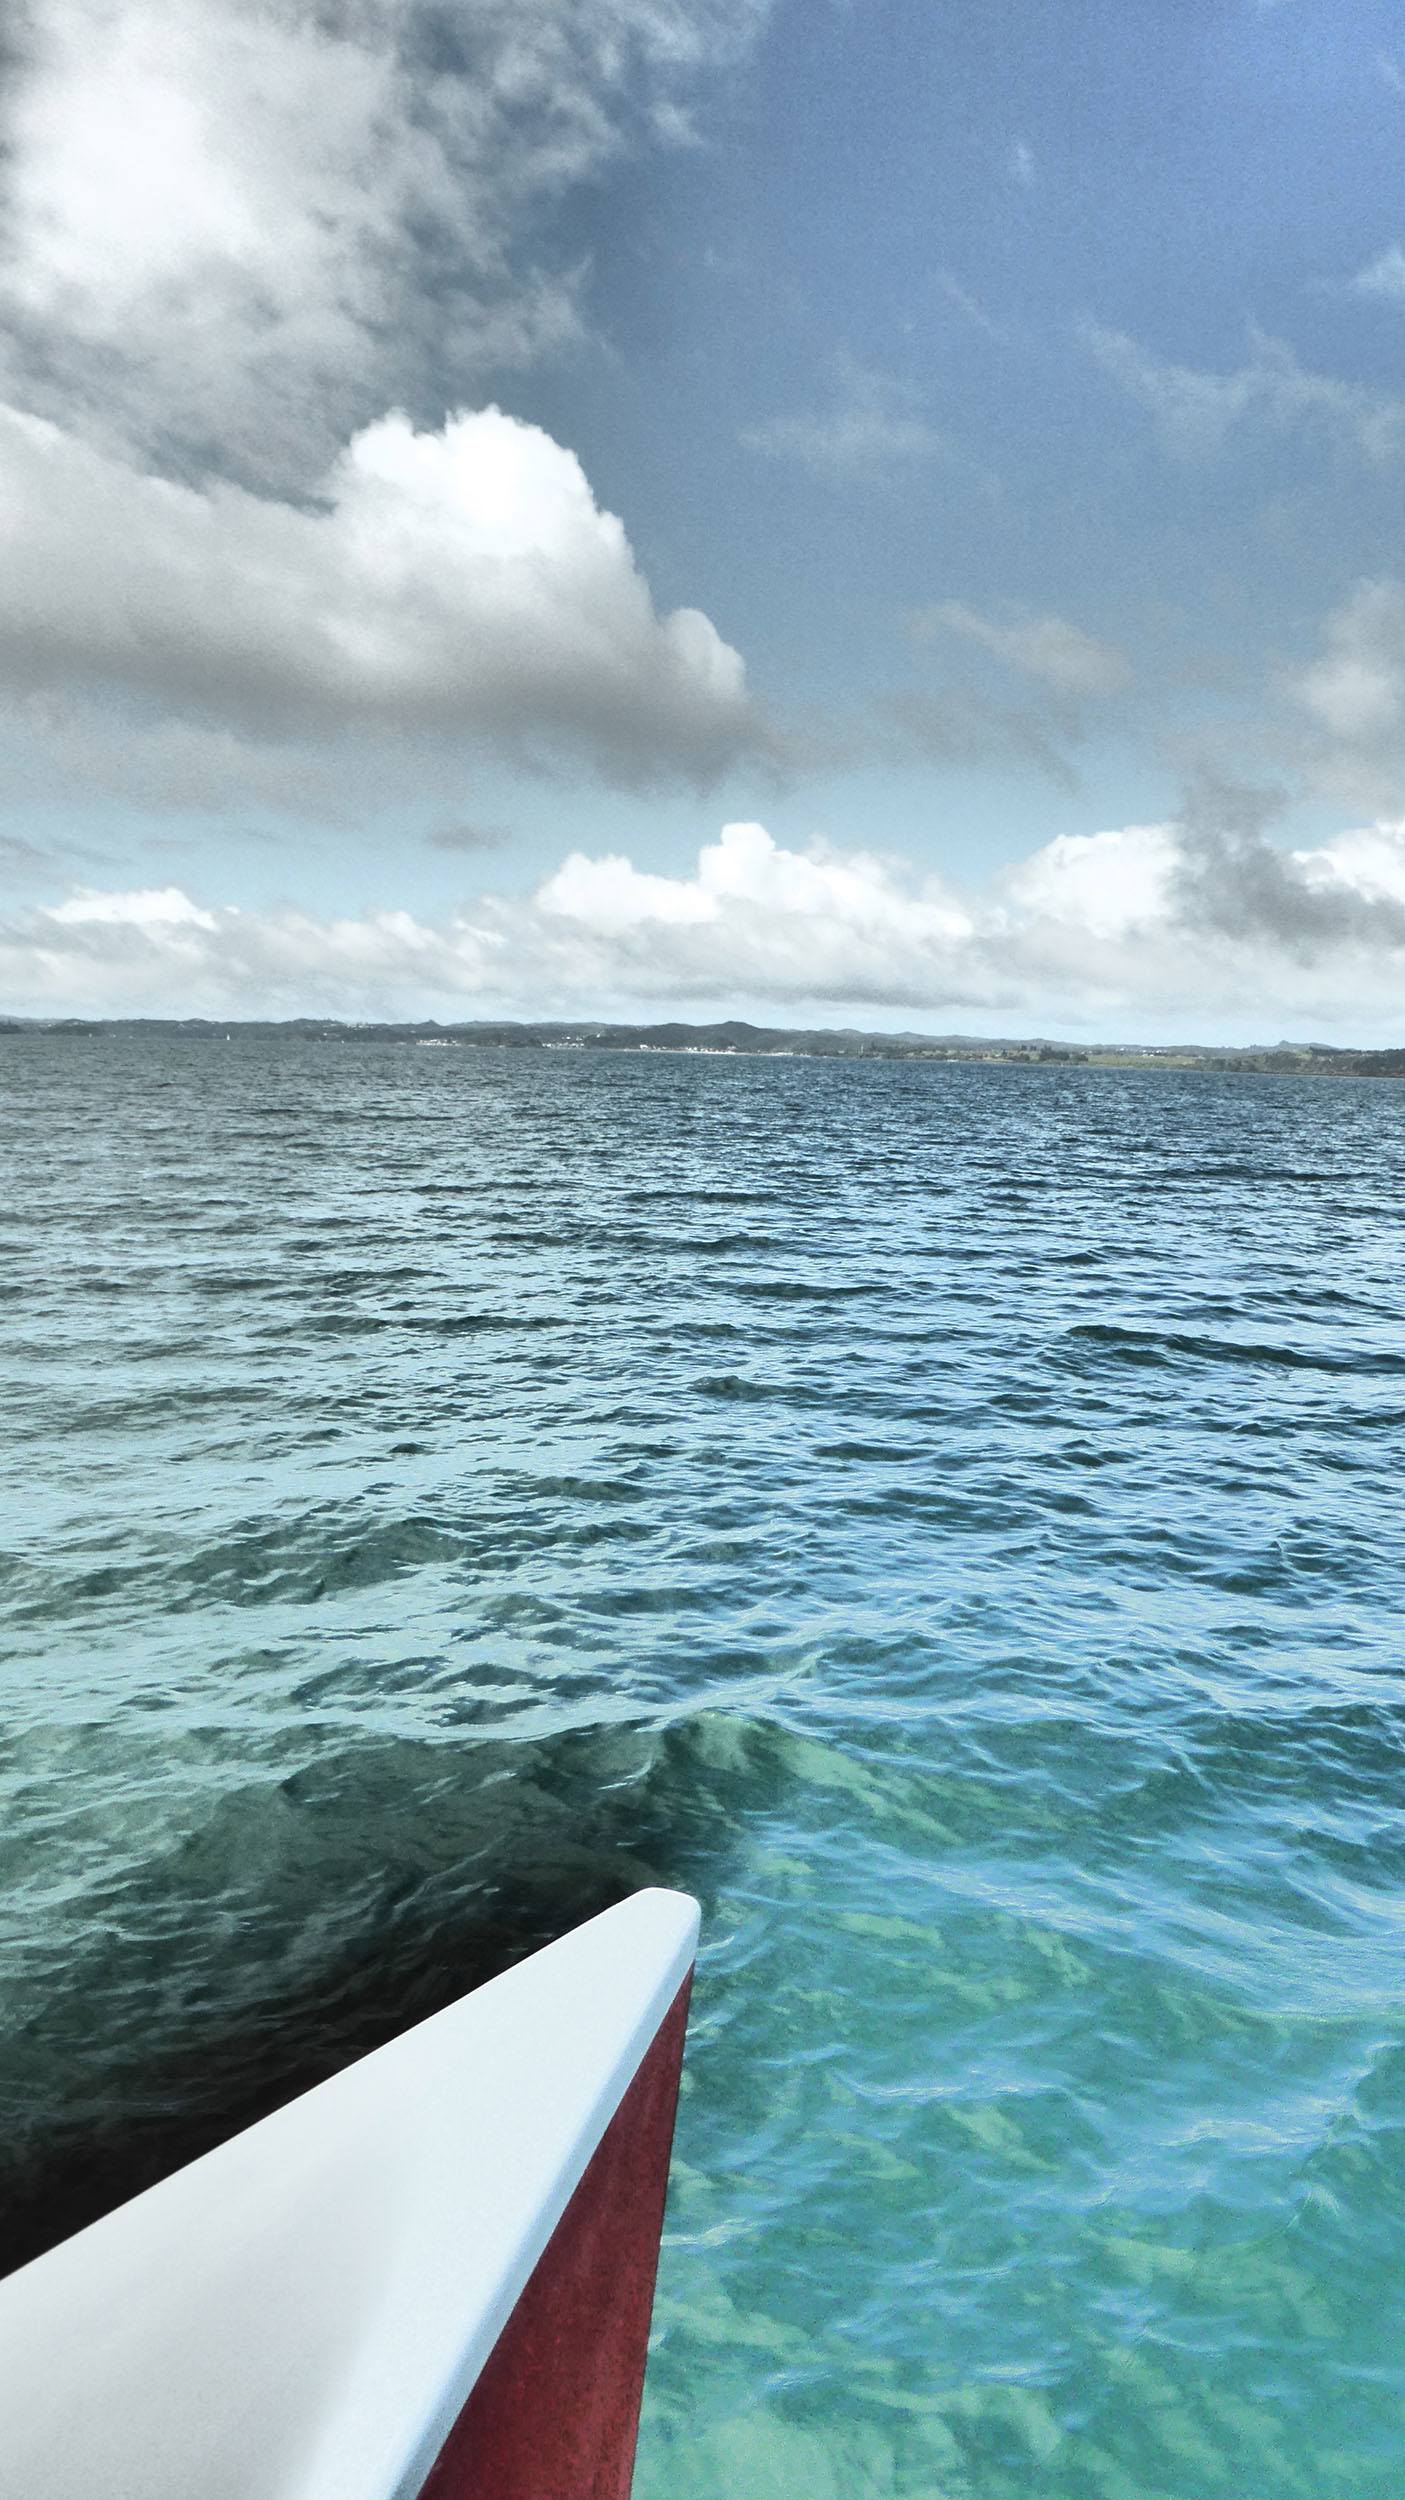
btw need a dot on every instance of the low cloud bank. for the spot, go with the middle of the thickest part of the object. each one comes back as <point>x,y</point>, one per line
<point>1202,927</point>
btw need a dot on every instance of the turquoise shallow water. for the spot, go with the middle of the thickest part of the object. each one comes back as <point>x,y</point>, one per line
<point>946,1517</point>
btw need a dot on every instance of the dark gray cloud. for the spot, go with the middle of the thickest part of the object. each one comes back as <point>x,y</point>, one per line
<point>1232,880</point>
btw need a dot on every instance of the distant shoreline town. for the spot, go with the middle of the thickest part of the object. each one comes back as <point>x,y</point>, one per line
<point>735,1039</point>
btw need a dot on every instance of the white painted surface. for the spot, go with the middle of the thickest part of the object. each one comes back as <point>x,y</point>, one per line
<point>300,2315</point>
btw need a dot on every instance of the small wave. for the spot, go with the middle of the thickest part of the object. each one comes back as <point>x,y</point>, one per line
<point>1141,1345</point>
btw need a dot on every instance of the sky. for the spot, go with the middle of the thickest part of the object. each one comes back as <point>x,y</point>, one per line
<point>870,512</point>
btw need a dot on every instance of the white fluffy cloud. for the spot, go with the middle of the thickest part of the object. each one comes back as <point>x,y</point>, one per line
<point>1162,928</point>
<point>236,229</point>
<point>463,581</point>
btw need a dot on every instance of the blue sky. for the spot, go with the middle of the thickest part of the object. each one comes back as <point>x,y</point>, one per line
<point>1015,389</point>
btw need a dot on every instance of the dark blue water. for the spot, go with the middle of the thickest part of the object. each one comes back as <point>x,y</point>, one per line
<point>947,1517</point>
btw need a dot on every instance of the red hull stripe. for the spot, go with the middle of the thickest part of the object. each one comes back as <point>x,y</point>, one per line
<point>310,2311</point>
<point>555,2412</point>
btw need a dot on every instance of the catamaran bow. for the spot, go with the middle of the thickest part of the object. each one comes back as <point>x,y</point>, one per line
<point>428,2279</point>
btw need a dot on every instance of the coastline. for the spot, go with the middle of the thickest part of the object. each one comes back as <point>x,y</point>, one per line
<point>735,1039</point>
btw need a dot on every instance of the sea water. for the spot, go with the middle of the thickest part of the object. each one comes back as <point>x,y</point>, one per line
<point>947,1517</point>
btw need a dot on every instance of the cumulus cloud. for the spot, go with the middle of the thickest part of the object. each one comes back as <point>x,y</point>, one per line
<point>1109,886</point>
<point>233,234</point>
<point>1061,655</point>
<point>1201,926</point>
<point>462,581</point>
<point>233,230</point>
<point>1196,411</point>
<point>157,909</point>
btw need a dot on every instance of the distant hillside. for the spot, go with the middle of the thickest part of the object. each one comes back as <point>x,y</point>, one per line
<point>735,1038</point>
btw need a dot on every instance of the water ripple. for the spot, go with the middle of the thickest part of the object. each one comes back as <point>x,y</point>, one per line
<point>945,1516</point>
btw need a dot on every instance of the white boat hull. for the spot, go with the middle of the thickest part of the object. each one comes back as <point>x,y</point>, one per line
<point>430,2276</point>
